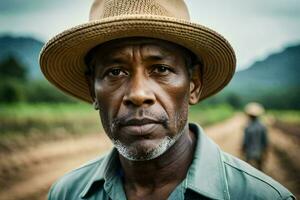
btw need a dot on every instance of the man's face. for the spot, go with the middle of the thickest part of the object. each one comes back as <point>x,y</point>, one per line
<point>142,88</point>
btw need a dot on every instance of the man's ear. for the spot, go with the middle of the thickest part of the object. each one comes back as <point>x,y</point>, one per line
<point>195,84</point>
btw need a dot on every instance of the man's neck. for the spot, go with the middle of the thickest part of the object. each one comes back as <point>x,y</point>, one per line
<point>161,174</point>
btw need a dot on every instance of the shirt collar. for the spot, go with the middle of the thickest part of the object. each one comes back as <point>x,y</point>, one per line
<point>104,171</point>
<point>206,174</point>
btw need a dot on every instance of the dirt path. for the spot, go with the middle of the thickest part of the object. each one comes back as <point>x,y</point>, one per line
<point>28,175</point>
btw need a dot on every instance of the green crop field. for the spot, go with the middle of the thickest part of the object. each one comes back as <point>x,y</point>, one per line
<point>208,115</point>
<point>46,118</point>
<point>286,116</point>
<point>23,125</point>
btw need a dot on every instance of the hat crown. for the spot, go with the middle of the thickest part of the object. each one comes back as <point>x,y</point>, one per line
<point>113,8</point>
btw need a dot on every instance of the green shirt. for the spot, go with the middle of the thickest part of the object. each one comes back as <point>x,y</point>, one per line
<point>213,174</point>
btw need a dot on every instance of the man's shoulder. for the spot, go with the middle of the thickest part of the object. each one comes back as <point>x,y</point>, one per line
<point>72,184</point>
<point>257,125</point>
<point>246,182</point>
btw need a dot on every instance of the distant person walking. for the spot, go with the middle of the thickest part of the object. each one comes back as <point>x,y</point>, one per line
<point>255,141</point>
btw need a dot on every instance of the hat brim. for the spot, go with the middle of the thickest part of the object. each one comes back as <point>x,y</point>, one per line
<point>62,58</point>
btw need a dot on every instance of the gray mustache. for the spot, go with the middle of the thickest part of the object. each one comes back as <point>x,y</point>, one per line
<point>141,114</point>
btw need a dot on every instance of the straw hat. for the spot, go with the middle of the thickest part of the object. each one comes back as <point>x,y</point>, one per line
<point>62,58</point>
<point>254,109</point>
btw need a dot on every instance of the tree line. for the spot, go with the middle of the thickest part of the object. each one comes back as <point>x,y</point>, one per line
<point>15,85</point>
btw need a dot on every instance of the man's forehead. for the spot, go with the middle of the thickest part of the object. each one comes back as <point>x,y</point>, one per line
<point>148,45</point>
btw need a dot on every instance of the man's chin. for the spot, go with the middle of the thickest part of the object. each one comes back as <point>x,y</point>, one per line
<point>144,150</point>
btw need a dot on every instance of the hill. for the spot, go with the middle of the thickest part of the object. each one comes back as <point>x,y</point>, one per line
<point>274,81</point>
<point>25,49</point>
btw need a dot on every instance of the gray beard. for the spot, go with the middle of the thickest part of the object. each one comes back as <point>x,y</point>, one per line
<point>131,153</point>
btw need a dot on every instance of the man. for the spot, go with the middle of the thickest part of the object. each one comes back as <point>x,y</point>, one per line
<point>255,141</point>
<point>142,63</point>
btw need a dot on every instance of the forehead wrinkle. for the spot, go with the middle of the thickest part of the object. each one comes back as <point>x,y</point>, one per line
<point>155,52</point>
<point>145,52</point>
<point>158,49</point>
<point>118,55</point>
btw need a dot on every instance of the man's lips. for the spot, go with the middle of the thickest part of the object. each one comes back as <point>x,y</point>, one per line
<point>139,127</point>
<point>138,122</point>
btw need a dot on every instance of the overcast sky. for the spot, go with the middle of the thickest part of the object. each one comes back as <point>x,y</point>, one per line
<point>255,28</point>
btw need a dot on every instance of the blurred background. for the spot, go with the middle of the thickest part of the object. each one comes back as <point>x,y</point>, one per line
<point>45,133</point>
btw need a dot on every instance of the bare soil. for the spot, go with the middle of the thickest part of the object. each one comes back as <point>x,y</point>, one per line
<point>290,128</point>
<point>29,173</point>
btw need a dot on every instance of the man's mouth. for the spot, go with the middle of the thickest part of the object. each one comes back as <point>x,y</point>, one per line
<point>139,126</point>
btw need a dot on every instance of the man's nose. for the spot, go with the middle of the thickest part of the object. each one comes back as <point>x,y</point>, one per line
<point>139,93</point>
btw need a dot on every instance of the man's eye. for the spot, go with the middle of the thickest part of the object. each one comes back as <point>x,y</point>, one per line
<point>161,69</point>
<point>116,72</point>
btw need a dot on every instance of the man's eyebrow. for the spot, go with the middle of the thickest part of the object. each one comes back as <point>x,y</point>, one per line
<point>116,58</point>
<point>158,56</point>
<point>122,58</point>
<point>154,57</point>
